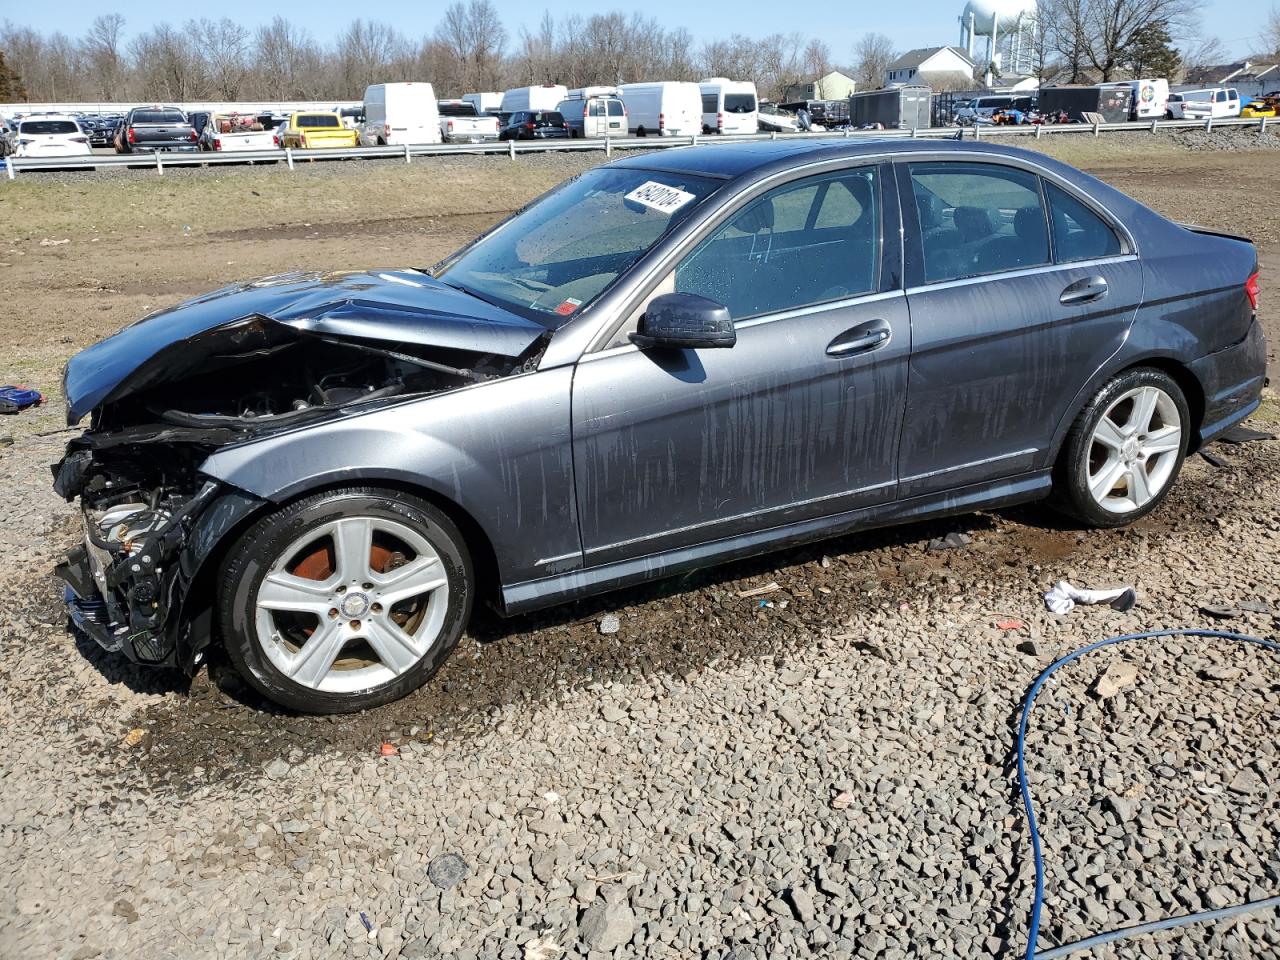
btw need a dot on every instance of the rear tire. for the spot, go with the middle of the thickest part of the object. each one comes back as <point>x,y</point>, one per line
<point>316,617</point>
<point>1124,451</point>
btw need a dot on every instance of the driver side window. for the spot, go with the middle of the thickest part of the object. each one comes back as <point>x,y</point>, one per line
<point>804,243</point>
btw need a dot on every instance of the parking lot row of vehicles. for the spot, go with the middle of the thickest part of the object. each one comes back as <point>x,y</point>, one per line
<point>1114,102</point>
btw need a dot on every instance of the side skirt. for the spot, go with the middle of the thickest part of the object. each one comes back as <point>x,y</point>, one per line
<point>547,591</point>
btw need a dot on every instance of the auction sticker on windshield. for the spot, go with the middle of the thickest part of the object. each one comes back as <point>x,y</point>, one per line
<point>659,196</point>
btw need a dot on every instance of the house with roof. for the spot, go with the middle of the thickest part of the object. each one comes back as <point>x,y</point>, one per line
<point>942,68</point>
<point>834,86</point>
<point>1242,72</point>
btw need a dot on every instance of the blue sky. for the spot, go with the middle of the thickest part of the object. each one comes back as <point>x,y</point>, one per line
<point>915,24</point>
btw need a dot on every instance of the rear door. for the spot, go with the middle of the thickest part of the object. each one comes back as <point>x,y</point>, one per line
<point>798,420</point>
<point>1019,290</point>
<point>617,117</point>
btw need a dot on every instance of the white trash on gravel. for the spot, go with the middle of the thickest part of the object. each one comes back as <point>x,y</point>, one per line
<point>1063,597</point>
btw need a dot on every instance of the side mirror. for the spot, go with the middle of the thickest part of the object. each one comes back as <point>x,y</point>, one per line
<point>684,321</point>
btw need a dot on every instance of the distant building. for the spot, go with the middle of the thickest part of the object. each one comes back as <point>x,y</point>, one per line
<point>834,86</point>
<point>1243,72</point>
<point>942,68</point>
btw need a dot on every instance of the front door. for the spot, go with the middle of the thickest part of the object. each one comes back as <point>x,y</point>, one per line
<point>1018,291</point>
<point>799,419</point>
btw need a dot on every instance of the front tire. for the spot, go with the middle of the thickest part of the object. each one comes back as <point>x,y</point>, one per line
<point>345,600</point>
<point>1125,449</point>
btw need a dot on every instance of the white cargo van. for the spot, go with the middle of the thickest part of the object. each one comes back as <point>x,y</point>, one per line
<point>533,99</point>
<point>729,106</point>
<point>399,113</point>
<point>670,108</point>
<point>485,103</point>
<point>594,112</point>
<point>1150,98</point>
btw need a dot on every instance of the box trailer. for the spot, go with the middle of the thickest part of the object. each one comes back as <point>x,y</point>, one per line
<point>894,108</point>
<point>1112,104</point>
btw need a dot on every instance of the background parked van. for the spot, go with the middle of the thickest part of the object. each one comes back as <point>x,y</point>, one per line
<point>729,106</point>
<point>670,108</point>
<point>488,102</point>
<point>522,99</point>
<point>399,113</point>
<point>594,112</point>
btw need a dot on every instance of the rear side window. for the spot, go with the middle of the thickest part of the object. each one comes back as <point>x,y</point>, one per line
<point>977,219</point>
<point>1078,232</point>
<point>804,243</point>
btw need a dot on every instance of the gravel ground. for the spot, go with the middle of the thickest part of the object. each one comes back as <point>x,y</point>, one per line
<point>823,769</point>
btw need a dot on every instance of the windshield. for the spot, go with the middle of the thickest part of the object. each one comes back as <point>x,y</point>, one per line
<point>48,126</point>
<point>556,256</point>
<point>739,102</point>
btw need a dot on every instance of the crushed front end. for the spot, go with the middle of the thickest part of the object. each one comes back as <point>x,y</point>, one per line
<point>149,521</point>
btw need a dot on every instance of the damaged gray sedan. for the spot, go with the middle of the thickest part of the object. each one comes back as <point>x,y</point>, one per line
<point>670,361</point>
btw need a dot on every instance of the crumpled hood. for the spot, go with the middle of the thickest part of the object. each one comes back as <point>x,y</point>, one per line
<point>397,307</point>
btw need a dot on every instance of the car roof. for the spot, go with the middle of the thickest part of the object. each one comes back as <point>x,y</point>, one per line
<point>731,161</point>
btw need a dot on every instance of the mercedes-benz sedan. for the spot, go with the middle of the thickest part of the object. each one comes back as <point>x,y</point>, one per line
<point>672,360</point>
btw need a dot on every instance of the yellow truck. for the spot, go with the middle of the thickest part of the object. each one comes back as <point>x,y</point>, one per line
<point>315,130</point>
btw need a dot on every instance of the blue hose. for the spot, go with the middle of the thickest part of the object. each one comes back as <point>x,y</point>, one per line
<point>1037,904</point>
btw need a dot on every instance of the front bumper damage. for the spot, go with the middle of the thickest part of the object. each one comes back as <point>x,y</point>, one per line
<point>130,585</point>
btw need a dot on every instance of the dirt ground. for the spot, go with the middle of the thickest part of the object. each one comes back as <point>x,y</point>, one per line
<point>80,257</point>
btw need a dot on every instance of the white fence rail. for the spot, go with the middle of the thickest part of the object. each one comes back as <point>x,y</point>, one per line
<point>406,154</point>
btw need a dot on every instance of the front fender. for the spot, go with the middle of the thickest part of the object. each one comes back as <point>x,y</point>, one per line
<point>499,450</point>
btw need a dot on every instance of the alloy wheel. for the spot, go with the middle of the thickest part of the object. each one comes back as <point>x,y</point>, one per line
<point>352,604</point>
<point>1134,449</point>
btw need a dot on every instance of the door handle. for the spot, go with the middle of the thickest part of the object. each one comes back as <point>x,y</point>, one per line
<point>1084,291</point>
<point>863,338</point>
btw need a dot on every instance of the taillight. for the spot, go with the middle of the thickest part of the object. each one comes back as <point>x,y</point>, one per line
<point>275,137</point>
<point>193,136</point>
<point>386,130</point>
<point>662,121</point>
<point>1252,289</point>
<point>451,126</point>
<point>302,139</point>
<point>529,125</point>
<point>217,143</point>
<point>132,136</point>
<point>719,121</point>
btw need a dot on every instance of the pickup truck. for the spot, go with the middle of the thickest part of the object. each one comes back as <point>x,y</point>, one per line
<point>228,132</point>
<point>315,130</point>
<point>460,123</point>
<point>157,128</point>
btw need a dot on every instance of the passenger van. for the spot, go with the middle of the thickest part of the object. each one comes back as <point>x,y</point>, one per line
<point>533,99</point>
<point>729,106</point>
<point>1216,102</point>
<point>594,112</point>
<point>399,113</point>
<point>669,108</point>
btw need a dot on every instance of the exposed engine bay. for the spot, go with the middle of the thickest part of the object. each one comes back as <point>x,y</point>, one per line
<point>151,517</point>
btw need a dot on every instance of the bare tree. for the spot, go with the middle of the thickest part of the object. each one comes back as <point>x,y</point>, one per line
<point>475,34</point>
<point>287,62</point>
<point>224,45</point>
<point>103,56</point>
<point>1271,31</point>
<point>1098,32</point>
<point>370,52</point>
<point>871,58</point>
<point>166,65</point>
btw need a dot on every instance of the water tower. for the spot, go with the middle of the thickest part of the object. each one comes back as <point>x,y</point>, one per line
<point>1000,32</point>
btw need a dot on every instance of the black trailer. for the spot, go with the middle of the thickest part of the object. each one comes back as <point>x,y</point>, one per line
<point>895,108</point>
<point>1072,103</point>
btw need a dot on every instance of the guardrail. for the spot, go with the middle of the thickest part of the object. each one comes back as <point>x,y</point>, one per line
<point>407,153</point>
